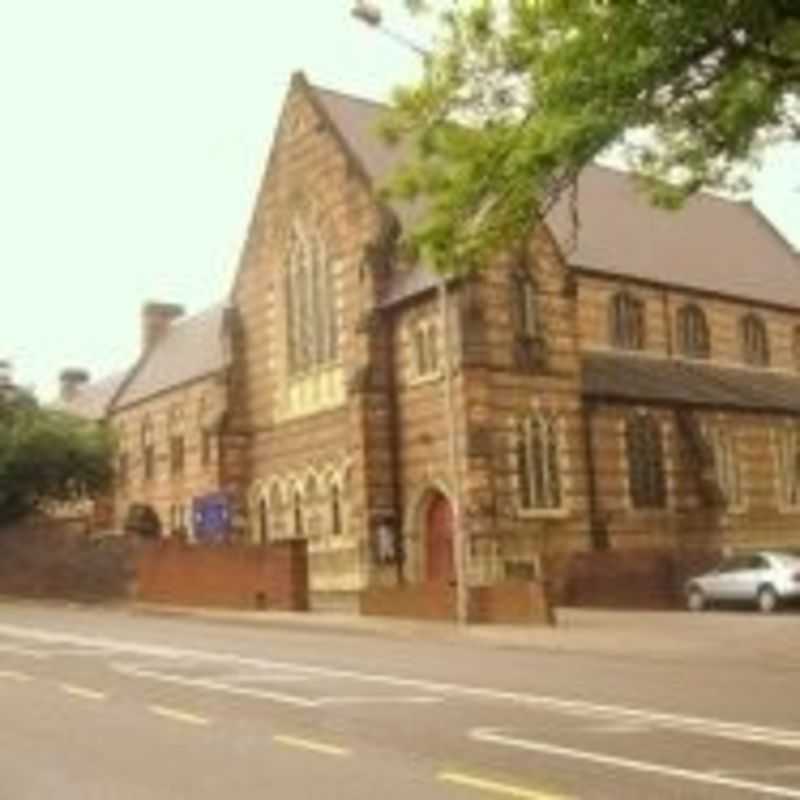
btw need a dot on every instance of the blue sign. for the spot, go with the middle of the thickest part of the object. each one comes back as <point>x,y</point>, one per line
<point>211,515</point>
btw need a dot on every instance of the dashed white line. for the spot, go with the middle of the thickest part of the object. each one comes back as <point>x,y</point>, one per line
<point>495,787</point>
<point>312,745</point>
<point>15,676</point>
<point>82,691</point>
<point>179,715</point>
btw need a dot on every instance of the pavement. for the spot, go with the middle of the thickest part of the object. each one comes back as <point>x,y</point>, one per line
<point>662,635</point>
<point>156,703</point>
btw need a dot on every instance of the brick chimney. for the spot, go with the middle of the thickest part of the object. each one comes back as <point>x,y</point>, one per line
<point>156,319</point>
<point>71,380</point>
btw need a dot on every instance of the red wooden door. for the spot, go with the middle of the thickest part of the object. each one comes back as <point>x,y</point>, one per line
<point>439,539</point>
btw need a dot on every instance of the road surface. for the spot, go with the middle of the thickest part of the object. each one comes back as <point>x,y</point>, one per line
<point>103,704</point>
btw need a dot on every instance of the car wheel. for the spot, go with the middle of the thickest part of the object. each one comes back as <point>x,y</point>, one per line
<point>696,600</point>
<point>767,599</point>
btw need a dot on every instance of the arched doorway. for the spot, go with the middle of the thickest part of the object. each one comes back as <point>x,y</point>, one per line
<point>439,530</point>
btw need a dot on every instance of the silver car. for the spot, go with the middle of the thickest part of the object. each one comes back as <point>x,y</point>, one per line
<point>766,578</point>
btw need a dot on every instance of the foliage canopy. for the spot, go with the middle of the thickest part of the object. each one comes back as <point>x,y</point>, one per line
<point>517,96</point>
<point>46,455</point>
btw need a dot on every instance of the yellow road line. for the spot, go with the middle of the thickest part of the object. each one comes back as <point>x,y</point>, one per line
<point>82,691</point>
<point>504,789</point>
<point>13,675</point>
<point>308,744</point>
<point>179,716</point>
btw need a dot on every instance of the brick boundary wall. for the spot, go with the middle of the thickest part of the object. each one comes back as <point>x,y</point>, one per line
<point>510,602</point>
<point>41,560</point>
<point>228,575</point>
<point>633,579</point>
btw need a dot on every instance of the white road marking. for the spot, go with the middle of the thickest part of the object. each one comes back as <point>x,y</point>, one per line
<point>310,744</point>
<point>215,685</point>
<point>179,716</point>
<point>735,731</point>
<point>13,675</point>
<point>345,700</point>
<point>491,736</point>
<point>495,787</point>
<point>82,691</point>
<point>22,651</point>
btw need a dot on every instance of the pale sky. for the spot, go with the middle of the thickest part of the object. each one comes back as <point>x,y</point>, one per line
<point>132,140</point>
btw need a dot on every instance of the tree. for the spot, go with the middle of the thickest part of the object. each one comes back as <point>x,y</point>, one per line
<point>46,455</point>
<point>518,96</point>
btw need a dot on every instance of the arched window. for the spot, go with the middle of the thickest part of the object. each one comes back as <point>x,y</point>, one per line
<point>263,522</point>
<point>693,337</point>
<point>788,441</point>
<point>755,343</point>
<point>796,347</point>
<point>277,523</point>
<point>335,500</point>
<point>312,326</point>
<point>148,449</point>
<point>626,321</point>
<point>726,464</point>
<point>525,305</point>
<point>538,465</point>
<point>645,462</point>
<point>299,528</point>
<point>176,441</point>
<point>424,334</point>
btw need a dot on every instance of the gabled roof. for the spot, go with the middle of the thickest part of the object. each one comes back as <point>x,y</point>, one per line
<point>93,400</point>
<point>628,377</point>
<point>192,348</point>
<point>711,244</point>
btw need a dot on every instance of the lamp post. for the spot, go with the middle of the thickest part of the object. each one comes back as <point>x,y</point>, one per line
<point>371,15</point>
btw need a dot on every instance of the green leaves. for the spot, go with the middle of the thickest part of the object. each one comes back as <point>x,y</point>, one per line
<point>519,95</point>
<point>47,455</point>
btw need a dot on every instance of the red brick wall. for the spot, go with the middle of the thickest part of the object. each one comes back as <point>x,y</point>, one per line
<point>511,602</point>
<point>629,578</point>
<point>52,560</point>
<point>229,576</point>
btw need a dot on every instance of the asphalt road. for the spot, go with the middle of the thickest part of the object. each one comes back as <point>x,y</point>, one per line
<point>109,705</point>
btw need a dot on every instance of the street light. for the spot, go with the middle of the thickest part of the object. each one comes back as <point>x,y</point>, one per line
<point>371,15</point>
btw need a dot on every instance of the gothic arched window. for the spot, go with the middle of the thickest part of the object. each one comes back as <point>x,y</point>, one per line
<point>788,442</point>
<point>538,465</point>
<point>335,501</point>
<point>312,326</point>
<point>693,336</point>
<point>645,453</point>
<point>176,441</point>
<point>726,465</point>
<point>626,321</point>
<point>525,305</point>
<point>755,343</point>
<point>263,522</point>
<point>148,449</point>
<point>796,347</point>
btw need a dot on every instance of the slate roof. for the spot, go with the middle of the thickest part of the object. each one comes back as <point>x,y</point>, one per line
<point>92,401</point>
<point>712,244</point>
<point>629,377</point>
<point>191,348</point>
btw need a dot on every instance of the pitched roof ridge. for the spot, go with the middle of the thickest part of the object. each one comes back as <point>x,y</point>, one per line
<point>349,95</point>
